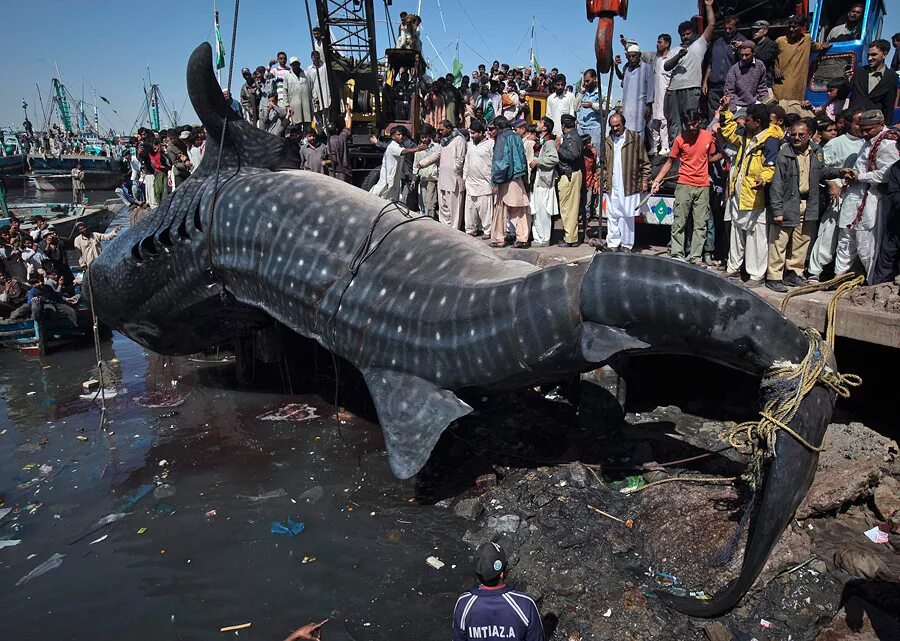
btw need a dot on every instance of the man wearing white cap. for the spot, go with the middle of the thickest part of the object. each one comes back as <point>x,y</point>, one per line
<point>297,99</point>
<point>637,89</point>
<point>321,92</point>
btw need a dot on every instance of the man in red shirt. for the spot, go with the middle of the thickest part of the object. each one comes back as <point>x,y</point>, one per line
<point>695,148</point>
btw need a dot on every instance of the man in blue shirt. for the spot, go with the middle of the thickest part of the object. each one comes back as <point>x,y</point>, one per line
<point>588,108</point>
<point>493,610</point>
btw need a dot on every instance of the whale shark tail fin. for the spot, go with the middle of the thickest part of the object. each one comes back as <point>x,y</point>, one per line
<point>244,142</point>
<point>413,413</point>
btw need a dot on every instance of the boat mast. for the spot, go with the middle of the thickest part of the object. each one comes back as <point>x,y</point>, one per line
<point>96,114</point>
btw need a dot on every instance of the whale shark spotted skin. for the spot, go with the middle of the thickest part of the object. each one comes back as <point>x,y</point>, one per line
<point>424,311</point>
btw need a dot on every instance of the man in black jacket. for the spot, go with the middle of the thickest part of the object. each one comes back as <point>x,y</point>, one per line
<point>794,198</point>
<point>571,167</point>
<point>874,86</point>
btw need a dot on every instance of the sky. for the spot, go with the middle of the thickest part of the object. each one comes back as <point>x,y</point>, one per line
<point>110,44</point>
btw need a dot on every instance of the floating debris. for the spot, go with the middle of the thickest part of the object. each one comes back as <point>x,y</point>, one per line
<point>295,412</point>
<point>159,399</point>
<point>265,496</point>
<point>232,628</point>
<point>50,564</point>
<point>106,393</point>
<point>288,527</point>
<point>435,562</point>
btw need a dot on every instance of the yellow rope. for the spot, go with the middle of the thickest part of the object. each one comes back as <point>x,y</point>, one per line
<point>786,384</point>
<point>844,283</point>
<point>789,385</point>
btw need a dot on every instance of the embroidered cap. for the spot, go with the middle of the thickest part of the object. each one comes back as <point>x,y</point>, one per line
<point>871,117</point>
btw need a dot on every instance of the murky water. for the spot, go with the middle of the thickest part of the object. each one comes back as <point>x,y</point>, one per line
<point>197,553</point>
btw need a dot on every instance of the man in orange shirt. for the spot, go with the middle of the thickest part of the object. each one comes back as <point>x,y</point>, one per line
<point>695,148</point>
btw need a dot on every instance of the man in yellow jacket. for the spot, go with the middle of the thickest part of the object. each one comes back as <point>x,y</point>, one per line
<point>752,170</point>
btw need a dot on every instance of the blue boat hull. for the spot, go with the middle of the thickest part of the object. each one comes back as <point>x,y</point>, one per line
<point>67,163</point>
<point>12,165</point>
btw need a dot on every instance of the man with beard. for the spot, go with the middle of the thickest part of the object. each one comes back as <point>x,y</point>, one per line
<point>317,74</point>
<point>721,60</point>
<point>451,188</point>
<point>508,168</point>
<point>864,202</point>
<point>314,155</point>
<point>479,196</point>
<point>852,27</point>
<point>249,97</point>
<point>298,103</point>
<point>544,205</point>
<point>792,64</point>
<point>559,103</point>
<point>746,83</point>
<point>589,106</point>
<point>637,89</point>
<point>686,67</point>
<point>627,175</point>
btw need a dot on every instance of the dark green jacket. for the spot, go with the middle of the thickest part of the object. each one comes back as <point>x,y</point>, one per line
<point>784,194</point>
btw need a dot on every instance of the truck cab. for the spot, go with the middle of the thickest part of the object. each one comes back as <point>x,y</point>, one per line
<point>847,55</point>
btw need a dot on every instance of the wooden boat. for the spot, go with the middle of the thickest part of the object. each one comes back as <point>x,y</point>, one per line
<point>37,336</point>
<point>64,216</point>
<point>13,165</point>
<point>94,180</point>
<point>64,164</point>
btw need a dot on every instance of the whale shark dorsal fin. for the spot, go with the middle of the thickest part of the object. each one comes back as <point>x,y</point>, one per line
<point>254,147</point>
<point>599,343</point>
<point>413,413</point>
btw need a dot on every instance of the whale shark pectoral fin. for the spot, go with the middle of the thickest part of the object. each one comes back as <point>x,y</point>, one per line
<point>599,343</point>
<point>413,413</point>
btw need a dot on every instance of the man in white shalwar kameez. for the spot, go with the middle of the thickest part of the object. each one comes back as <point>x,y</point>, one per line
<point>638,90</point>
<point>628,175</point>
<point>659,127</point>
<point>839,153</point>
<point>317,74</point>
<point>544,204</point>
<point>479,199</point>
<point>391,161</point>
<point>297,95</point>
<point>863,202</point>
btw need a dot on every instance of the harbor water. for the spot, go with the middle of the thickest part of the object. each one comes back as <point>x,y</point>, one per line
<point>193,491</point>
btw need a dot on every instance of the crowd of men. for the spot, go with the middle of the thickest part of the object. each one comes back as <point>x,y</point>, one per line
<point>766,188</point>
<point>35,270</point>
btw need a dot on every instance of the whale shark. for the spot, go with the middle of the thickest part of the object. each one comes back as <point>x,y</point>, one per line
<point>425,312</point>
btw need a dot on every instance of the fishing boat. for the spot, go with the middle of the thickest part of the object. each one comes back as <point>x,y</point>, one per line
<point>37,336</point>
<point>12,159</point>
<point>94,180</point>
<point>13,165</point>
<point>41,162</point>
<point>64,217</point>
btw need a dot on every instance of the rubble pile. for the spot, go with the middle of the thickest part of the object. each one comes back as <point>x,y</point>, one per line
<point>593,555</point>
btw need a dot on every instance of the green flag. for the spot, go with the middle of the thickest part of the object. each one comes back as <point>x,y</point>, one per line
<point>220,48</point>
<point>534,62</point>
<point>457,72</point>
